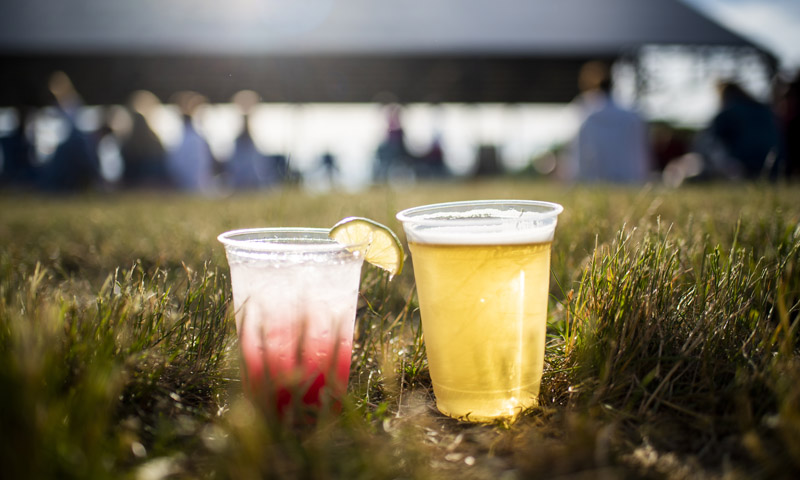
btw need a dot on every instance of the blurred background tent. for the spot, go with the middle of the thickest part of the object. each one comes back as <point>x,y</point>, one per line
<point>336,50</point>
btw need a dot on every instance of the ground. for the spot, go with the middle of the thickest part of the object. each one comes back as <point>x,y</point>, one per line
<point>672,347</point>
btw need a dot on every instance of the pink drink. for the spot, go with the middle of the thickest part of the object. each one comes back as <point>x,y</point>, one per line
<point>294,294</point>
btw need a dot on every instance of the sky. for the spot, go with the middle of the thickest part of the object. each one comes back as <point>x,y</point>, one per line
<point>775,24</point>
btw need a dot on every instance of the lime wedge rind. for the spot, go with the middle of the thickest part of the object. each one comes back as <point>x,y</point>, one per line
<point>378,243</point>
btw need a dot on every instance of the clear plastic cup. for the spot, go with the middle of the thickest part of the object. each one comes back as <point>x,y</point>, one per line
<point>482,270</point>
<point>294,293</point>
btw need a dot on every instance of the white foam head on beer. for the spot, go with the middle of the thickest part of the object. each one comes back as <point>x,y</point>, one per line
<point>481,226</point>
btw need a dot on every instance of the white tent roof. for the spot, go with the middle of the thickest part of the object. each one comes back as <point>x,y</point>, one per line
<point>291,27</point>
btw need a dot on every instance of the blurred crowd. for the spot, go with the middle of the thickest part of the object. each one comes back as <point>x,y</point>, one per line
<point>61,157</point>
<point>746,140</point>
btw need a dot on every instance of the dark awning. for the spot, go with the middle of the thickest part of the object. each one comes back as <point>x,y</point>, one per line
<point>332,50</point>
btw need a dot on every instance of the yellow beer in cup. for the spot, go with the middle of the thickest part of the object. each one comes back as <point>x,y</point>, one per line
<point>482,271</point>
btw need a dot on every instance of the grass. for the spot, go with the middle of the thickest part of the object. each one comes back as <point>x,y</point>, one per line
<point>672,343</point>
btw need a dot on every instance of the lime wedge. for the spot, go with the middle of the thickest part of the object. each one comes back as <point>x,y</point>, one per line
<point>381,248</point>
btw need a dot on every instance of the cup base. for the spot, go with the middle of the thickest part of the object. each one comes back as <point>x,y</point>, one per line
<point>485,406</point>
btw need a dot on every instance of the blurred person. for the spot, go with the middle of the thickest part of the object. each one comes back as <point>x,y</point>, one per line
<point>142,152</point>
<point>248,167</point>
<point>107,149</point>
<point>190,164</point>
<point>324,175</point>
<point>392,155</point>
<point>329,166</point>
<point>488,161</point>
<point>431,164</point>
<point>17,153</point>
<point>73,165</point>
<point>590,79</point>
<point>611,144</point>
<point>789,112</point>
<point>743,136</point>
<point>668,144</point>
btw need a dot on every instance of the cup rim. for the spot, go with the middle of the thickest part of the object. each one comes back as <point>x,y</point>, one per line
<point>415,215</point>
<point>316,240</point>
